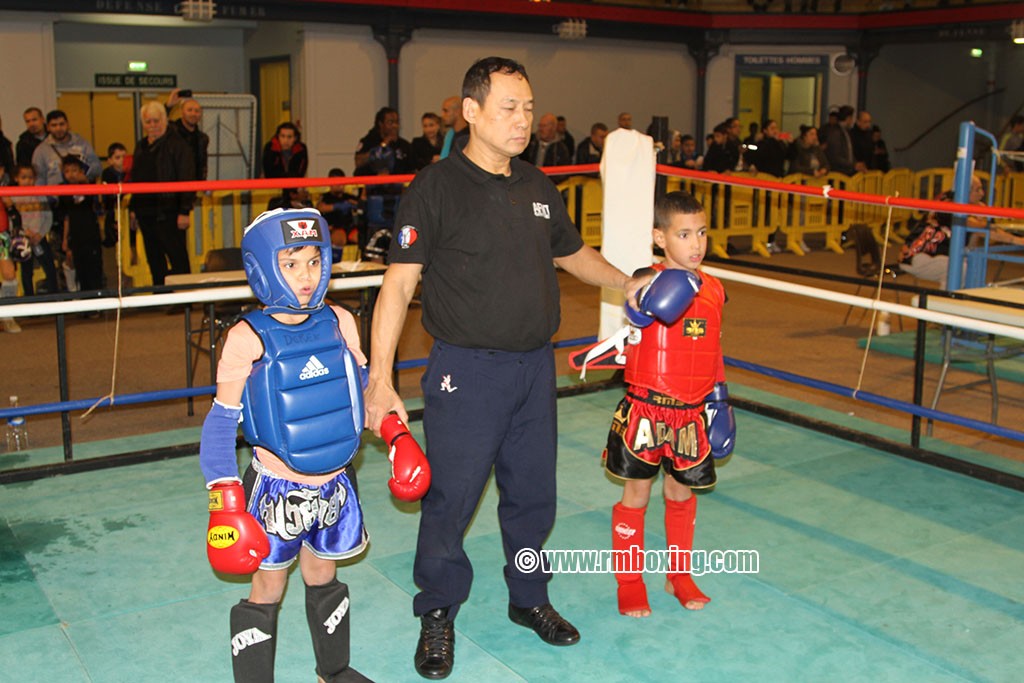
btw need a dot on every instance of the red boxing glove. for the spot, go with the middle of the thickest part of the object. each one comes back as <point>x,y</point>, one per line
<point>235,541</point>
<point>410,471</point>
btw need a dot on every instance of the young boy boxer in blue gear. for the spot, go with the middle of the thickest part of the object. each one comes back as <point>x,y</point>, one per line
<point>675,412</point>
<point>292,373</point>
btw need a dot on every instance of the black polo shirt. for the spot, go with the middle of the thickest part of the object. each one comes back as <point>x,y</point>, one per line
<point>486,243</point>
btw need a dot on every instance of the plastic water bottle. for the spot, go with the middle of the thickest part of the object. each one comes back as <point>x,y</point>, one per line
<point>17,433</point>
<point>883,326</point>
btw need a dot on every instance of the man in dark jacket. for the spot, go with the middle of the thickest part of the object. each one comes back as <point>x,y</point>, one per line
<point>34,133</point>
<point>544,148</point>
<point>162,217</point>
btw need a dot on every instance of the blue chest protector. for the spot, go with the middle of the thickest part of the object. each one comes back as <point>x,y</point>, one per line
<point>303,400</point>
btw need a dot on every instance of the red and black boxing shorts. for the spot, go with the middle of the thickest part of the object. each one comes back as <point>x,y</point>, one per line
<point>651,430</point>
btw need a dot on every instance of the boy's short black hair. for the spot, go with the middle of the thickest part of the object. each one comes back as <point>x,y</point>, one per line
<point>74,160</point>
<point>115,146</point>
<point>24,167</point>
<point>672,203</point>
<point>336,173</point>
<point>477,82</point>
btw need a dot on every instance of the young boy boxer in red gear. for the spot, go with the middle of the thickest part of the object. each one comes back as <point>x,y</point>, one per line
<point>294,373</point>
<point>674,414</point>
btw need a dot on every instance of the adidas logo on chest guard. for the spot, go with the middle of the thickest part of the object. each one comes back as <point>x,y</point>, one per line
<point>313,368</point>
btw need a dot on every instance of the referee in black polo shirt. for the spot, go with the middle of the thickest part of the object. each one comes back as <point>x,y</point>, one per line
<point>484,230</point>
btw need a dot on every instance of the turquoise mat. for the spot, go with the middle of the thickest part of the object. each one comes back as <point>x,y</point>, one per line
<point>872,568</point>
<point>902,344</point>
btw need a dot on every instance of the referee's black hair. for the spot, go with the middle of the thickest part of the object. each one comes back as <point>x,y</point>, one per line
<point>672,203</point>
<point>477,82</point>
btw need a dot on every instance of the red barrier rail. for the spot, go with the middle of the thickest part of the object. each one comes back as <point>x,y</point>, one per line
<point>720,178</point>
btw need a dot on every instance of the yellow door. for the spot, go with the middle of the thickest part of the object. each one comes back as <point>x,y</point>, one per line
<point>78,107</point>
<point>113,120</point>
<point>275,97</point>
<point>751,102</point>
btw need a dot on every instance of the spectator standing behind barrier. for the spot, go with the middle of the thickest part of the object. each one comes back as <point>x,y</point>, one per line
<point>59,143</point>
<point>382,151</point>
<point>718,159</point>
<point>733,146</point>
<point>426,149</point>
<point>591,149</point>
<point>564,136</point>
<point>162,217</point>
<point>806,155</point>
<point>187,128</point>
<point>79,214</point>
<point>838,147</point>
<point>544,149</point>
<point>35,214</point>
<point>455,125</point>
<point>879,152</point>
<point>688,156</point>
<point>284,155</point>
<point>626,120</point>
<point>863,145</point>
<point>770,153</point>
<point>7,162</point>
<point>8,285</point>
<point>1013,141</point>
<point>34,133</point>
<point>490,300</point>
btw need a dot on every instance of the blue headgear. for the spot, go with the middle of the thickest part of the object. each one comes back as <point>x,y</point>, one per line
<point>271,232</point>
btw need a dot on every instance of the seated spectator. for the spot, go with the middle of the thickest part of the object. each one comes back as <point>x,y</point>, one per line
<point>926,252</point>
<point>806,155</point>
<point>285,156</point>
<point>341,208</point>
<point>291,198</point>
<point>589,151</point>
<point>426,149</point>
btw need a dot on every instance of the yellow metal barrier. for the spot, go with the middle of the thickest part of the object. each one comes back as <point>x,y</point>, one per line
<point>931,182</point>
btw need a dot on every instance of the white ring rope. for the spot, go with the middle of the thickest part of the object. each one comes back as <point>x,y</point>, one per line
<point>870,304</point>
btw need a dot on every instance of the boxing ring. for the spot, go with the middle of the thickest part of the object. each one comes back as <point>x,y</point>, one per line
<point>874,566</point>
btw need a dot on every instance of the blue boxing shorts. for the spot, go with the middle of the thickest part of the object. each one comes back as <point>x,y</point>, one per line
<point>327,519</point>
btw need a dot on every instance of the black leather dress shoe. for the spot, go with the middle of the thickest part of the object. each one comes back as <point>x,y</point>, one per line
<point>435,651</point>
<point>546,623</point>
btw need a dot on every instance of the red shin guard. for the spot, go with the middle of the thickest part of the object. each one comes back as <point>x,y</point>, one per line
<point>628,532</point>
<point>679,522</point>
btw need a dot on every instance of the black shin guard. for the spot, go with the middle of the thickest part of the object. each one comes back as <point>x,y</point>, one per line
<point>253,641</point>
<point>327,614</point>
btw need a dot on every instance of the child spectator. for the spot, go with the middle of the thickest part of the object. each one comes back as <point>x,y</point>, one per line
<point>340,207</point>
<point>36,216</point>
<point>79,216</point>
<point>8,285</point>
<point>292,374</point>
<point>113,174</point>
<point>675,414</point>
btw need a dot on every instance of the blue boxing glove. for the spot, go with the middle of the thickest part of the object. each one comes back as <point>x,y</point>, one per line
<point>666,298</point>
<point>217,457</point>
<point>720,420</point>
